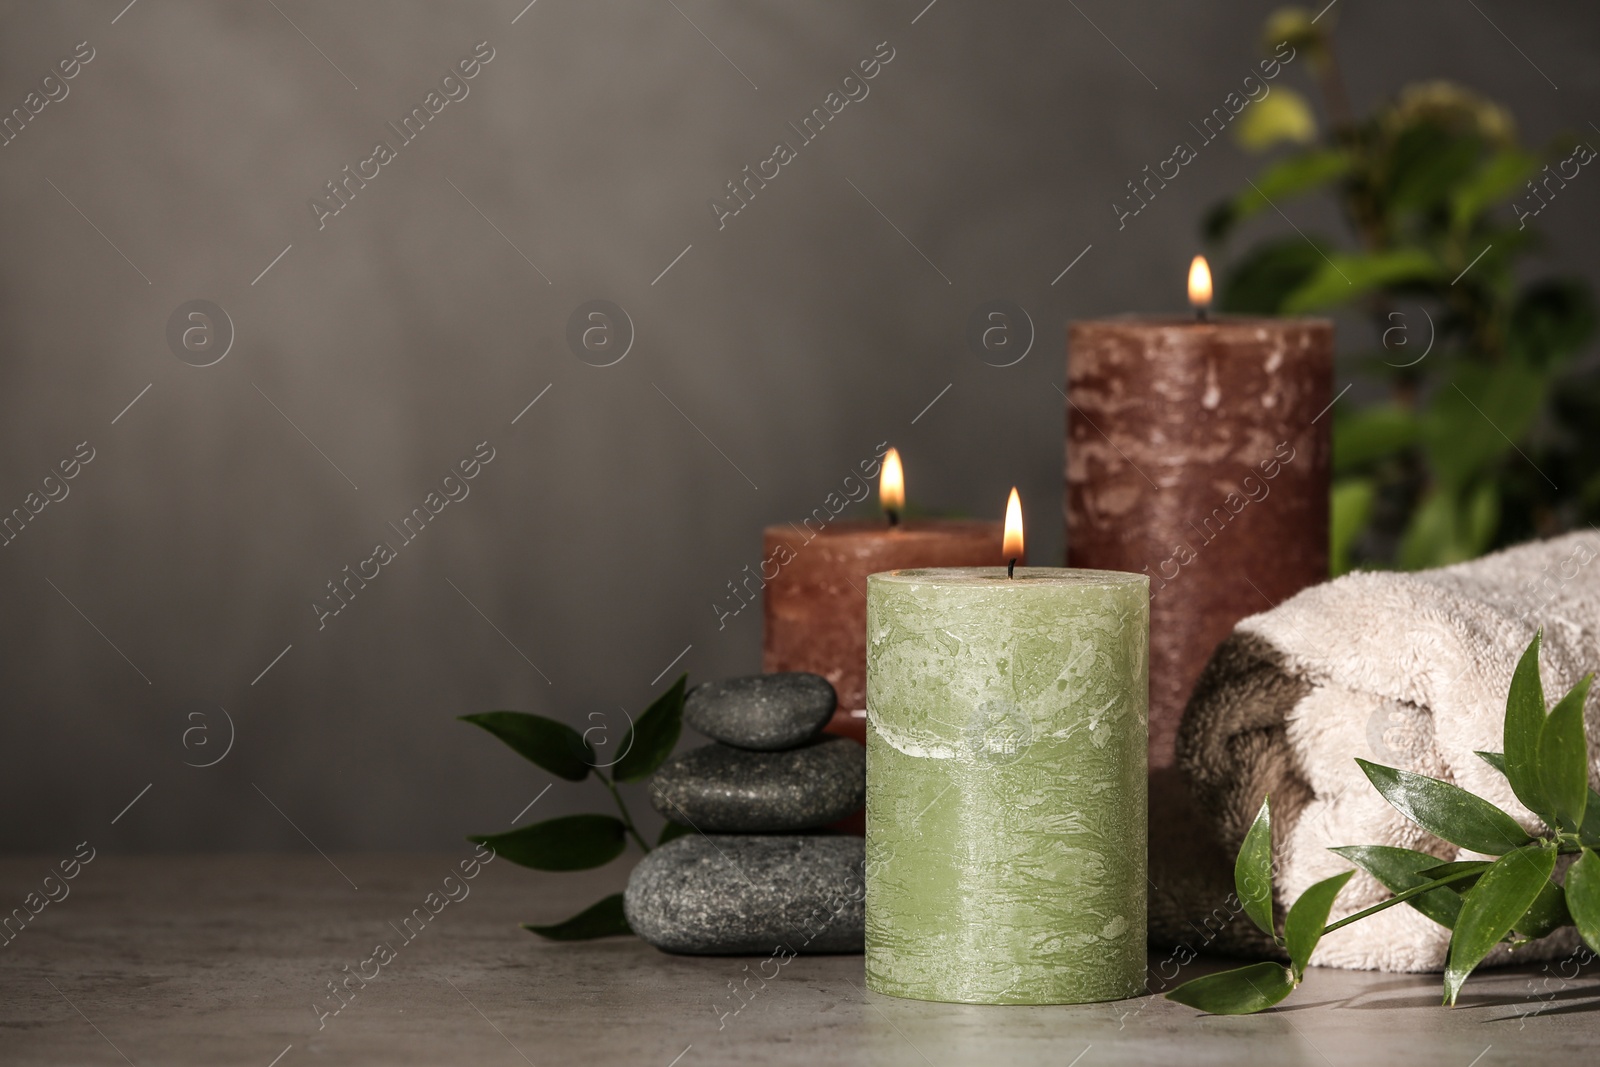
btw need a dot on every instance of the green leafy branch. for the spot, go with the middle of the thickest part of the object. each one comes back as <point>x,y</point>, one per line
<point>579,842</point>
<point>1512,899</point>
<point>1482,403</point>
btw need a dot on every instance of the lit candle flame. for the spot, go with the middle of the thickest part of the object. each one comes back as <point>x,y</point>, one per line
<point>892,486</point>
<point>1012,550</point>
<point>1199,283</point>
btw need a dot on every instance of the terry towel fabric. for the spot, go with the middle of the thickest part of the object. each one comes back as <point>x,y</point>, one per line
<point>1404,669</point>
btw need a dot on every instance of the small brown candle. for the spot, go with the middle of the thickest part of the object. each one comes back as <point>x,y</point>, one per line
<point>816,605</point>
<point>1198,454</point>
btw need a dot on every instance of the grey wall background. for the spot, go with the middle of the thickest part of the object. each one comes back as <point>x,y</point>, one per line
<point>188,553</point>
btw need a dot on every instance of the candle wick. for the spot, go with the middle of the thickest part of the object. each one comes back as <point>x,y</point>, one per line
<point>894,516</point>
<point>1202,313</point>
<point>1011,568</point>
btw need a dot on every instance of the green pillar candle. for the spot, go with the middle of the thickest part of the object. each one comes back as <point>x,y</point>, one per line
<point>1006,740</point>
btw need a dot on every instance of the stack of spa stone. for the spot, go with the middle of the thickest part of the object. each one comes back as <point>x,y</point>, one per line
<point>746,876</point>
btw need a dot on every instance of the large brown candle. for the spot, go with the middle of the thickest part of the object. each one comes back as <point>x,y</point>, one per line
<point>816,605</point>
<point>1198,454</point>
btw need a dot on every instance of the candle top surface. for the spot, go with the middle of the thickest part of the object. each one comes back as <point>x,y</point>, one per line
<point>995,577</point>
<point>906,528</point>
<point>1212,321</point>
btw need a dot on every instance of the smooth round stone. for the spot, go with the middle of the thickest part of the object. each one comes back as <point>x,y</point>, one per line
<point>736,894</point>
<point>764,712</point>
<point>721,789</point>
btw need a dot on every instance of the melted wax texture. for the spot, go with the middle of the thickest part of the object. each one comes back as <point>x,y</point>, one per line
<point>1006,736</point>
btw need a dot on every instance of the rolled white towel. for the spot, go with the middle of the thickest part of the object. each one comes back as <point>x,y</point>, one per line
<point>1404,669</point>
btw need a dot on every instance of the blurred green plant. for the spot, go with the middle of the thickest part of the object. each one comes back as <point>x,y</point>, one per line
<point>1510,900</point>
<point>1482,433</point>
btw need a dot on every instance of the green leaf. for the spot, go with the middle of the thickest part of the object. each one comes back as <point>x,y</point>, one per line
<point>1472,424</point>
<point>1589,831</point>
<point>1471,869</point>
<point>1375,433</point>
<point>1551,322</point>
<point>1446,810</point>
<point>602,919</point>
<point>1451,525</point>
<point>672,830</point>
<point>1429,539</point>
<point>1399,869</point>
<point>1283,115</point>
<point>555,746</point>
<point>570,843</point>
<point>1583,897</point>
<point>1502,174</point>
<point>1524,723</point>
<point>1492,907</point>
<point>1480,515</point>
<point>1302,929</point>
<point>1427,163</point>
<point>1237,992</point>
<point>1252,871</point>
<point>1262,280</point>
<point>1303,172</point>
<point>1350,508</point>
<point>1547,914</point>
<point>651,740</point>
<point>1454,867</point>
<point>1564,758</point>
<point>1347,276</point>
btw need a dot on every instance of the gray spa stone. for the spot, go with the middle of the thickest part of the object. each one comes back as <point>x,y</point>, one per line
<point>765,712</point>
<point>721,789</point>
<point>735,894</point>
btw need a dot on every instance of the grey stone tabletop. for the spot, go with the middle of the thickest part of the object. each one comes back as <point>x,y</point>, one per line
<point>229,960</point>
